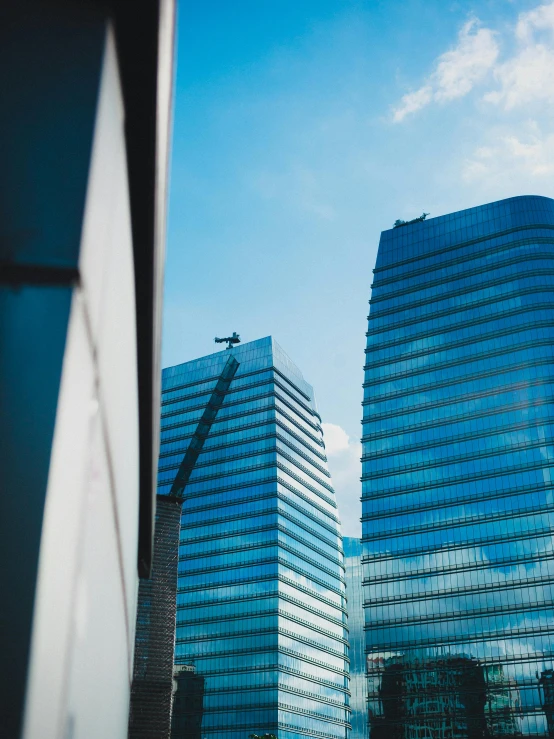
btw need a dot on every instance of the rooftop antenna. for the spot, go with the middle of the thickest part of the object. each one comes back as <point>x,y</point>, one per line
<point>234,339</point>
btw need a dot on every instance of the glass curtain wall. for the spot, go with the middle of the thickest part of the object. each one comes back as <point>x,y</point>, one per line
<point>356,637</point>
<point>261,593</point>
<point>458,461</point>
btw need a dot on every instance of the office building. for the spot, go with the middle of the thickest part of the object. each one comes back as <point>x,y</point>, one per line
<point>85,121</point>
<point>458,455</point>
<point>188,703</point>
<point>356,637</point>
<point>261,595</point>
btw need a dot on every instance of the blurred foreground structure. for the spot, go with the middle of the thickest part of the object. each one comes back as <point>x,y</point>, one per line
<point>86,111</point>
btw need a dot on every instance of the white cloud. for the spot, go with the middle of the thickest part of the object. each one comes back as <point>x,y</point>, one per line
<point>456,71</point>
<point>412,102</point>
<point>344,463</point>
<point>540,18</point>
<point>529,75</point>
<point>521,160</point>
<point>336,438</point>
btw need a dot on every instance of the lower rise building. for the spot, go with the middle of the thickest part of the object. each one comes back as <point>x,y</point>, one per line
<point>261,610</point>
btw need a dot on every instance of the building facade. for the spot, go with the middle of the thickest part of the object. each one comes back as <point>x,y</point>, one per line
<point>458,460</point>
<point>86,90</point>
<point>356,637</point>
<point>261,596</point>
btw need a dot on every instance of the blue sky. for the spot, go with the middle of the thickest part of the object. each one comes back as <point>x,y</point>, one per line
<point>302,129</point>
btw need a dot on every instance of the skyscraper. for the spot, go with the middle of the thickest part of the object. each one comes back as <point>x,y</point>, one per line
<point>356,637</point>
<point>457,467</point>
<point>260,604</point>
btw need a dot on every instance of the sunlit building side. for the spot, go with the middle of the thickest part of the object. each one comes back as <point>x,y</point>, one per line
<point>458,458</point>
<point>261,611</point>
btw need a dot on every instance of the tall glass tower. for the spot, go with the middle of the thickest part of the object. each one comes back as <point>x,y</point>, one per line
<point>354,594</point>
<point>458,475</point>
<point>261,593</point>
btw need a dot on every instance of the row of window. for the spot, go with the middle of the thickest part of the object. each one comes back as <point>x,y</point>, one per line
<point>444,424</point>
<point>450,514</point>
<point>406,252</point>
<point>464,280</point>
<point>476,258</point>
<point>478,348</point>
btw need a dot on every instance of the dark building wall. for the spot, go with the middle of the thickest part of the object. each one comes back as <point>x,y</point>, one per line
<point>151,691</point>
<point>188,705</point>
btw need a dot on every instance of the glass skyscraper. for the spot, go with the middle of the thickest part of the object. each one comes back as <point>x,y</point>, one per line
<point>261,593</point>
<point>356,637</point>
<point>458,459</point>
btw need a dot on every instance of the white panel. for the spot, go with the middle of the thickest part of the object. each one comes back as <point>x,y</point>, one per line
<point>81,653</point>
<point>99,679</point>
<point>108,153</point>
<point>62,532</point>
<point>113,324</point>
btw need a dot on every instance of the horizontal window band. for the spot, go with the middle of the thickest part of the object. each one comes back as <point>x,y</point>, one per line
<point>238,402</point>
<point>459,592</point>
<point>284,687</point>
<point>520,328</point>
<point>417,389</point>
<point>450,502</point>
<point>240,376</point>
<point>238,455</point>
<point>228,566</point>
<point>468,259</point>
<point>265,578</point>
<point>531,487</point>
<point>231,417</point>
<point>284,707</point>
<point>461,521</point>
<point>462,291</point>
<point>254,597</point>
<point>466,291</point>
<point>438,331</point>
<point>438,571</point>
<point>289,517</point>
<point>443,313</point>
<point>441,617</point>
<point>469,359</point>
<point>268,496</point>
<point>232,391</point>
<point>244,565</point>
<point>310,434</point>
<point>273,667</point>
<point>260,614</point>
<point>520,467</point>
<point>439,641</point>
<point>435,548</point>
<point>439,462</point>
<point>268,631</point>
<point>471,242</point>
<point>275,727</point>
<point>304,406</point>
<point>272,478</point>
<point>538,401</point>
<point>254,468</point>
<point>227,445</point>
<point>273,648</point>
